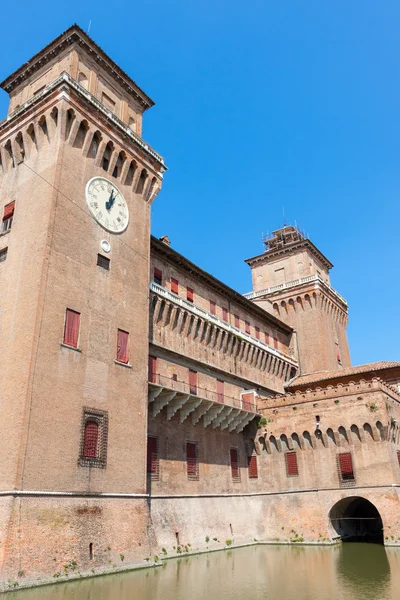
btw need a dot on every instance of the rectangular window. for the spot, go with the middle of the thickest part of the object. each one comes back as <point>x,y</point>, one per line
<point>122,346</point>
<point>71,328</point>
<point>174,286</point>
<point>8,216</point>
<point>225,314</point>
<point>338,357</point>
<point>192,465</point>
<point>234,458</point>
<point>220,391</point>
<point>3,254</point>
<point>152,457</point>
<point>291,464</point>
<point>252,465</point>
<point>157,278</point>
<point>346,470</point>
<point>276,343</point>
<point>93,452</point>
<point>266,337</point>
<point>237,321</point>
<point>257,333</point>
<point>152,369</point>
<point>103,262</point>
<point>213,307</point>
<point>193,382</point>
<point>247,326</point>
<point>189,294</point>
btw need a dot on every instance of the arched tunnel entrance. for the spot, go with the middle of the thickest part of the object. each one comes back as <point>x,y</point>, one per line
<point>356,519</point>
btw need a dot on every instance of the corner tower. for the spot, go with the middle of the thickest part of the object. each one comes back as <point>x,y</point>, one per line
<point>76,184</point>
<point>291,280</point>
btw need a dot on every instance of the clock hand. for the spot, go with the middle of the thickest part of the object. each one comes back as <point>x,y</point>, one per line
<point>110,201</point>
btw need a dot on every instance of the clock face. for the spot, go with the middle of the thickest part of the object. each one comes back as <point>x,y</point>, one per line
<point>107,204</point>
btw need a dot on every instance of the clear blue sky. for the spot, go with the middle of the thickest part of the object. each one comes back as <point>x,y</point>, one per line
<point>259,106</point>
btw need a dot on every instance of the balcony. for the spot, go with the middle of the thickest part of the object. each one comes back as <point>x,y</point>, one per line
<point>198,404</point>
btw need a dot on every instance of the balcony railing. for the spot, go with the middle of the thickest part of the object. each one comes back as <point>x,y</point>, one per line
<point>291,284</point>
<point>193,308</point>
<point>184,387</point>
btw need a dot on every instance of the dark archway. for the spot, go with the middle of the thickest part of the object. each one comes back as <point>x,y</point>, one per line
<point>356,519</point>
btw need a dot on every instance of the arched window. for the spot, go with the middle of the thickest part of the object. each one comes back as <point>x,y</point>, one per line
<point>273,443</point>
<point>141,182</point>
<point>381,430</point>
<point>331,436</point>
<point>81,135</point>
<point>94,146</point>
<point>107,155</point>
<point>90,439</point>
<point>284,441</point>
<point>131,173</point>
<point>343,435</point>
<point>355,434</point>
<point>296,440</point>
<point>119,164</point>
<point>368,429</point>
<point>307,437</point>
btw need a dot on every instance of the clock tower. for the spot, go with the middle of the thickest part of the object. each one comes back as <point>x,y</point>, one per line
<point>77,181</point>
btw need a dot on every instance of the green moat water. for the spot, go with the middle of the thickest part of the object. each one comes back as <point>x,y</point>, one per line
<point>347,572</point>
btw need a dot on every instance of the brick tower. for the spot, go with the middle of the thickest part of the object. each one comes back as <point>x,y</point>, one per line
<point>77,181</point>
<point>291,280</point>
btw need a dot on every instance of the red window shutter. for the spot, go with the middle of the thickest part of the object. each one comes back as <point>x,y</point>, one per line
<point>247,326</point>
<point>122,346</point>
<point>193,381</point>
<point>346,466</point>
<point>174,286</point>
<point>191,460</point>
<point>152,369</point>
<point>248,401</point>
<point>152,456</point>
<point>237,321</point>
<point>225,314</point>
<point>220,391</point>
<point>71,328</point>
<point>275,342</point>
<point>266,336</point>
<point>90,440</point>
<point>234,464</point>
<point>157,276</point>
<point>258,333</point>
<point>189,294</point>
<point>9,210</point>
<point>213,307</point>
<point>252,464</point>
<point>291,464</point>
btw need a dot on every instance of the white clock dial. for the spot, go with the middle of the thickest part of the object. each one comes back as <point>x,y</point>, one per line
<point>107,204</point>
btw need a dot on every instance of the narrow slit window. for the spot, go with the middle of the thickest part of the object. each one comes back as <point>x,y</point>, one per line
<point>192,465</point>
<point>122,346</point>
<point>71,328</point>
<point>252,466</point>
<point>189,294</point>
<point>152,457</point>
<point>292,469</point>
<point>234,460</point>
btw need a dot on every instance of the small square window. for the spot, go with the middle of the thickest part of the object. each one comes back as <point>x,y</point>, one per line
<point>103,262</point>
<point>93,452</point>
<point>3,254</point>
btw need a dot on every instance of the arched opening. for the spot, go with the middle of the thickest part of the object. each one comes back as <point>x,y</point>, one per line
<point>356,519</point>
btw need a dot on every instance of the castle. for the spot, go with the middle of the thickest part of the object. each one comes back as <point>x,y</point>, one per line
<point>147,408</point>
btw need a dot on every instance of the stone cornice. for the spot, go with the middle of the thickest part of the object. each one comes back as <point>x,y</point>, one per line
<point>269,255</point>
<point>76,35</point>
<point>66,80</point>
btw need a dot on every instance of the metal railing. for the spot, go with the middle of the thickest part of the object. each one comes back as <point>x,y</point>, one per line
<point>184,387</point>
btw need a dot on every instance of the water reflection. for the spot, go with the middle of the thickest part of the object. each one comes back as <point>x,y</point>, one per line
<point>347,572</point>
